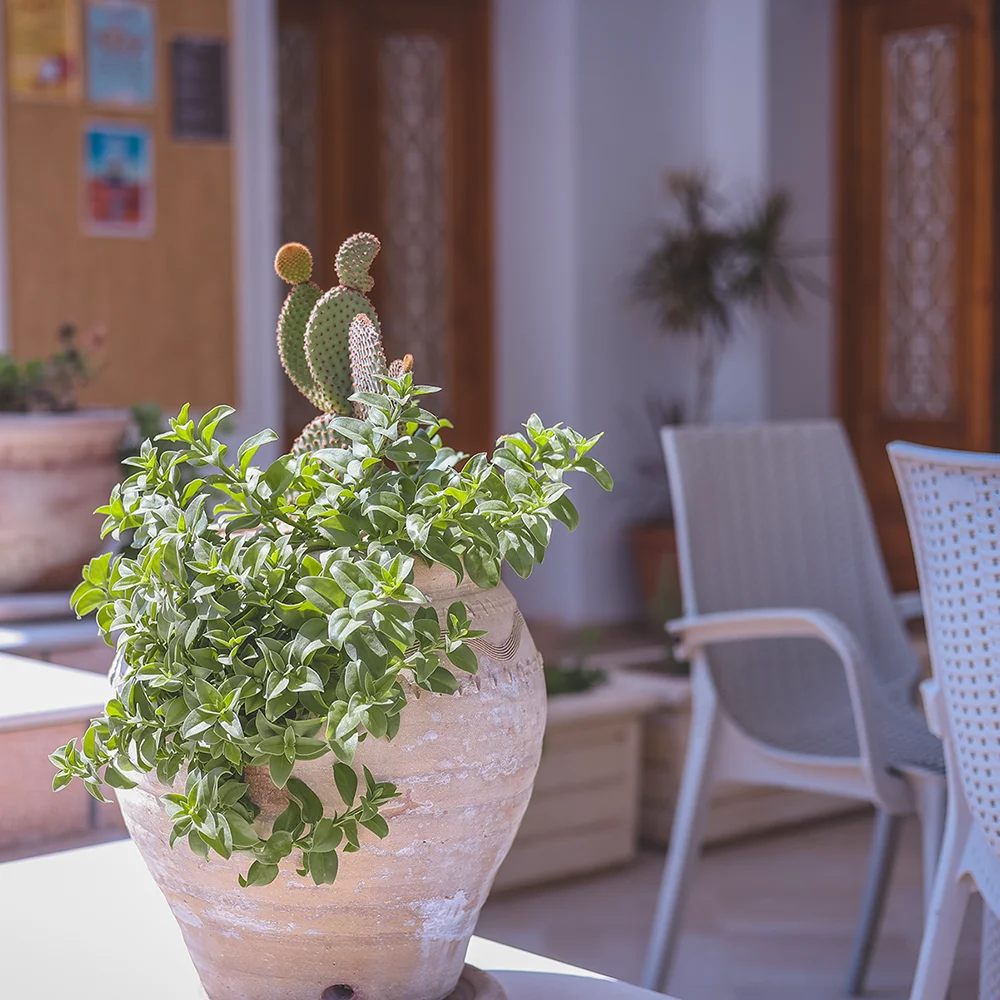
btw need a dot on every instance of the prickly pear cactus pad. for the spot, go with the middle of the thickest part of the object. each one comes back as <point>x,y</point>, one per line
<point>294,265</point>
<point>330,343</point>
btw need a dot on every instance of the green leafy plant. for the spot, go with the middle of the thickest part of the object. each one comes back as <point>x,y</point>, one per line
<point>711,262</point>
<point>571,680</point>
<point>50,386</point>
<point>281,623</point>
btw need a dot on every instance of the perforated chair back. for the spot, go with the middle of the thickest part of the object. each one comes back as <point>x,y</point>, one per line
<point>775,516</point>
<point>952,503</point>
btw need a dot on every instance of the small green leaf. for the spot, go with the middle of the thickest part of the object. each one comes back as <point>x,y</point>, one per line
<point>377,825</point>
<point>280,768</point>
<point>347,782</point>
<point>464,658</point>
<point>323,867</point>
<point>312,807</point>
<point>326,836</point>
<point>260,873</point>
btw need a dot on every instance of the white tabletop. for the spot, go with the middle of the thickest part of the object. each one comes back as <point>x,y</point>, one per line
<point>34,694</point>
<point>90,924</point>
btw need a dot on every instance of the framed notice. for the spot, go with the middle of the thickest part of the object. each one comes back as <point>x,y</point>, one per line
<point>117,180</point>
<point>121,46</point>
<point>200,91</point>
<point>43,49</point>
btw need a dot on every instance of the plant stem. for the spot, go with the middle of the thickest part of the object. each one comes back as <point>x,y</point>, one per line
<point>705,382</point>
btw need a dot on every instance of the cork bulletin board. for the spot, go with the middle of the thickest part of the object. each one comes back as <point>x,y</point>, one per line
<point>165,290</point>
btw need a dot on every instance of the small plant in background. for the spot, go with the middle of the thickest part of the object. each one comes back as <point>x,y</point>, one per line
<point>574,676</point>
<point>50,386</point>
<point>714,260</point>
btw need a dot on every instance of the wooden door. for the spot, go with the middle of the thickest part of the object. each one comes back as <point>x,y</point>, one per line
<point>916,221</point>
<point>385,117</point>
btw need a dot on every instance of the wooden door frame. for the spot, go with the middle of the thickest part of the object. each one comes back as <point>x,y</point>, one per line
<point>473,358</point>
<point>984,412</point>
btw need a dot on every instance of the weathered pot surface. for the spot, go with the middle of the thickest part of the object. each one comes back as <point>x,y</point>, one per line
<point>55,469</point>
<point>396,924</point>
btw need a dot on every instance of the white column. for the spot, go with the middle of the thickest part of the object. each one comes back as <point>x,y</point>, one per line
<point>736,150</point>
<point>536,219</point>
<point>254,96</point>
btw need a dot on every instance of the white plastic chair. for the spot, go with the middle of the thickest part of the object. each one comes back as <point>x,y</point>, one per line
<point>802,672</point>
<point>952,503</point>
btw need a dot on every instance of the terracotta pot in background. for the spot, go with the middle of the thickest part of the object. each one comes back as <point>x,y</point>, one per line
<point>654,550</point>
<point>396,923</point>
<point>55,469</point>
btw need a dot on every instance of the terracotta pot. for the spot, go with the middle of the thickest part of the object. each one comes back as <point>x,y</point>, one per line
<point>654,550</point>
<point>396,923</point>
<point>55,469</point>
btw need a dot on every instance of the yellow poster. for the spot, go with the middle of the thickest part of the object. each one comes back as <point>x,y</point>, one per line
<point>43,49</point>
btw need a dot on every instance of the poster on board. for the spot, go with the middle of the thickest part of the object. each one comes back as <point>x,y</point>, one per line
<point>121,46</point>
<point>43,49</point>
<point>117,180</point>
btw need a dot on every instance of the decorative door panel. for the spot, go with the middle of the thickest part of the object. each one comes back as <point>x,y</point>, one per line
<point>916,320</point>
<point>395,97</point>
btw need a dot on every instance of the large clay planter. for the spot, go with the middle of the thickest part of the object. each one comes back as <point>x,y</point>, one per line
<point>396,923</point>
<point>55,469</point>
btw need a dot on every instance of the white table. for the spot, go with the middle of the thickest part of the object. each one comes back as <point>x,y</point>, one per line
<point>90,924</point>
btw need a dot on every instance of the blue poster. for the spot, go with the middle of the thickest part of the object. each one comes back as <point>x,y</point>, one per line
<point>117,180</point>
<point>120,53</point>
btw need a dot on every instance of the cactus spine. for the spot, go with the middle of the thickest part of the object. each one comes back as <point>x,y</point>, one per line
<point>330,343</point>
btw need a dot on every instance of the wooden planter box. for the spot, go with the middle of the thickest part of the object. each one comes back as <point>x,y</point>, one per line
<point>584,811</point>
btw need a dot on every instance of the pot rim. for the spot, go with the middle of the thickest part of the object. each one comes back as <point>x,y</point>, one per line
<point>85,415</point>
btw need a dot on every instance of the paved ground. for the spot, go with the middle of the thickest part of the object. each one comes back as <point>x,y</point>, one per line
<point>771,919</point>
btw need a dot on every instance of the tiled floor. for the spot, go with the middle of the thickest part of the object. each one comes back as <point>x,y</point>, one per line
<point>770,919</point>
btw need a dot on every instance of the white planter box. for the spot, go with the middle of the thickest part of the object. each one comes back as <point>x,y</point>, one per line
<point>584,811</point>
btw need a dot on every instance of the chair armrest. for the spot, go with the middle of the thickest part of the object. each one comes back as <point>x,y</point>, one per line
<point>909,605</point>
<point>762,623</point>
<point>699,631</point>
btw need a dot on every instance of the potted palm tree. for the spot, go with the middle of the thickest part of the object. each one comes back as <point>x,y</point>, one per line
<point>711,262</point>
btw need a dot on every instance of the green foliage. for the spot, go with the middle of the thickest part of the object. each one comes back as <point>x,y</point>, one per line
<point>48,386</point>
<point>571,680</point>
<point>277,624</point>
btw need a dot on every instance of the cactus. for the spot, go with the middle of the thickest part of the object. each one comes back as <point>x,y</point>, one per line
<point>330,343</point>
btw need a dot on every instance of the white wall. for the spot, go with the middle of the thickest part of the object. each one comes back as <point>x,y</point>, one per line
<point>802,141</point>
<point>595,101</point>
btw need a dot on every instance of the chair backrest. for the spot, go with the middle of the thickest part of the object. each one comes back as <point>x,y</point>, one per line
<point>774,515</point>
<point>952,503</point>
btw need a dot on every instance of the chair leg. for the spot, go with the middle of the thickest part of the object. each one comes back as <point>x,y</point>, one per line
<point>989,960</point>
<point>932,807</point>
<point>880,862</point>
<point>685,837</point>
<point>945,912</point>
